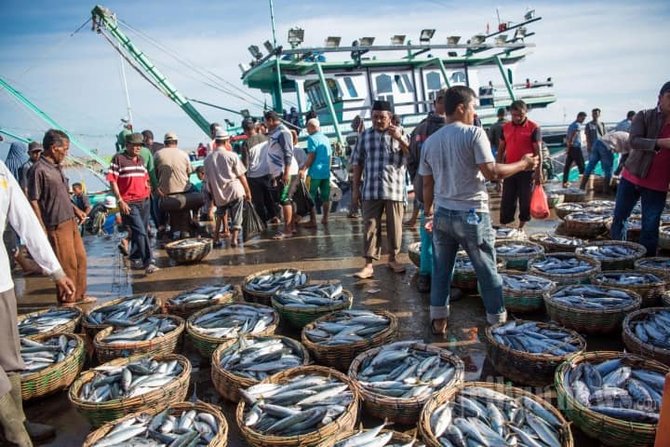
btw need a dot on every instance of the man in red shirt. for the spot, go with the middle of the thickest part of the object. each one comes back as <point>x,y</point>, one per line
<point>129,180</point>
<point>519,137</point>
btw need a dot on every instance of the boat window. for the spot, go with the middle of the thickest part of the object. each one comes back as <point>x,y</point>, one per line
<point>458,76</point>
<point>408,84</point>
<point>384,84</point>
<point>433,80</point>
<point>334,89</point>
<point>398,81</point>
<point>350,87</point>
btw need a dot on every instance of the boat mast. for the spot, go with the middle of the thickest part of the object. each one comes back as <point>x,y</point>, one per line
<point>272,21</point>
<point>125,89</point>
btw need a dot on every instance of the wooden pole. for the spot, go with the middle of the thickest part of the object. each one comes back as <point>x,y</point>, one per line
<point>663,429</point>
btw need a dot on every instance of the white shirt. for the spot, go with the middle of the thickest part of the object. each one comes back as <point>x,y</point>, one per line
<point>15,209</point>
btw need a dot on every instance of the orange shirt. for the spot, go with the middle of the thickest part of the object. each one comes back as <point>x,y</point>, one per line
<point>519,139</point>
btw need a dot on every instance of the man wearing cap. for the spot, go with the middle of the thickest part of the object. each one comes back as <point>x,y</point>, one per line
<point>224,174</point>
<point>121,136</point>
<point>34,151</point>
<point>646,174</point>
<point>173,169</point>
<point>129,180</point>
<point>380,156</point>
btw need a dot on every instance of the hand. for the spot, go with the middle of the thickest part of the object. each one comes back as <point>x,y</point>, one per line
<point>124,208</point>
<point>429,224</point>
<point>286,179</point>
<point>302,173</point>
<point>395,132</point>
<point>247,197</point>
<point>80,215</point>
<point>531,161</point>
<point>498,187</point>
<point>538,178</point>
<point>65,286</point>
<point>663,143</point>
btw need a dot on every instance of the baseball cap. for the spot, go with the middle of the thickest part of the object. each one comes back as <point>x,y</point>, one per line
<point>134,138</point>
<point>170,136</point>
<point>34,146</point>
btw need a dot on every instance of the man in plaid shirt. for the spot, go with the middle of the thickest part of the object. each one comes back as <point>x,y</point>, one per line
<point>381,154</point>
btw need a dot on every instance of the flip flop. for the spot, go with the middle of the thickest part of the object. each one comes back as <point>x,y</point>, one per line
<point>123,249</point>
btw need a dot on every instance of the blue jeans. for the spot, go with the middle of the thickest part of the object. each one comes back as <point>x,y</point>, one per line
<point>653,202</point>
<point>451,230</point>
<point>600,153</point>
<point>426,254</point>
<point>137,222</point>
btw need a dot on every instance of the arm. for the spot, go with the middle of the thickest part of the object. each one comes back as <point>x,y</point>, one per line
<point>638,137</point>
<point>397,134</point>
<point>494,171</point>
<point>308,163</point>
<point>247,190</point>
<point>123,206</point>
<point>428,195</point>
<point>38,213</point>
<point>500,156</point>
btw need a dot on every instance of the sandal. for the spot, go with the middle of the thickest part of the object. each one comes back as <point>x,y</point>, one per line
<point>438,330</point>
<point>365,273</point>
<point>123,248</point>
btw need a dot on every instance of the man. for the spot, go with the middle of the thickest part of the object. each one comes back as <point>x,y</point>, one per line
<point>255,158</point>
<point>283,168</point>
<point>495,132</point>
<point>129,180</point>
<point>173,169</point>
<point>647,172</point>
<point>602,152</point>
<point>213,127</point>
<point>594,130</point>
<point>455,163</point>
<point>148,155</point>
<point>380,157</point>
<point>121,136</point>
<point>574,142</point>
<point>153,146</point>
<point>79,199</point>
<point>15,211</point>
<point>317,167</point>
<point>357,128</point>
<point>34,152</point>
<point>624,125</point>
<point>224,174</point>
<point>59,217</point>
<point>521,136</point>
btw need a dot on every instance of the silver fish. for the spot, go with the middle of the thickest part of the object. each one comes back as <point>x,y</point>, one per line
<point>536,338</point>
<point>514,248</point>
<point>592,297</point>
<point>39,355</point>
<point>312,296</point>
<point>233,320</point>
<point>626,278</point>
<point>346,327</point>
<point>260,357</point>
<point>276,281</point>
<point>561,265</point>
<point>523,281</point>
<point>125,313</point>
<point>46,321</point>
<point>607,251</point>
<point>147,329</point>
<point>558,240</point>
<point>202,294</point>
<point>653,328</point>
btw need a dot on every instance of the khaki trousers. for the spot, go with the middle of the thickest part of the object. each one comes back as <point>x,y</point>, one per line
<point>66,241</point>
<point>372,218</point>
<point>10,348</point>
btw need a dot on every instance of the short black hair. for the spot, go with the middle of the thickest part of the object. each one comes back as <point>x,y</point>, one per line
<point>271,115</point>
<point>630,114</point>
<point>54,137</point>
<point>248,124</point>
<point>581,114</point>
<point>518,105</point>
<point>200,170</point>
<point>148,134</point>
<point>214,126</point>
<point>459,94</point>
<point>595,110</point>
<point>501,111</point>
<point>76,185</point>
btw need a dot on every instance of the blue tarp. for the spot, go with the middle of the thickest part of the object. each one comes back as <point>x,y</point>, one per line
<point>18,154</point>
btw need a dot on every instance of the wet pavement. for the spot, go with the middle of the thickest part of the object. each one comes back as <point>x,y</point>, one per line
<point>328,252</point>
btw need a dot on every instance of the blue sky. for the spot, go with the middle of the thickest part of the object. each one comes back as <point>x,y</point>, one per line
<point>608,54</point>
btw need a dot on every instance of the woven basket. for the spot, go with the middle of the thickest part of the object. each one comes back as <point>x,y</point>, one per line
<point>465,278</point>
<point>92,329</point>
<point>524,368</point>
<point>66,328</point>
<point>299,317</point>
<point>591,321</point>
<point>633,230</point>
<point>659,266</point>
<point>157,400</point>
<point>414,253</point>
<point>228,384</point>
<point>650,293</point>
<point>341,356</point>
<point>665,298</point>
<point>554,199</point>
<point>565,209</point>
<point>206,344</point>
<point>166,344</point>
<point>519,261</point>
<point>607,430</point>
<point>344,423</point>
<point>264,298</point>
<point>187,309</point>
<point>426,430</point>
<point>664,238</point>
<point>56,377</point>
<point>219,440</point>
<point>402,411</point>
<point>618,263</point>
<point>521,301</point>
<point>567,278</point>
<point>397,438</point>
<point>576,227</point>
<point>189,255</point>
<point>635,345</point>
<point>554,247</point>
<point>574,195</point>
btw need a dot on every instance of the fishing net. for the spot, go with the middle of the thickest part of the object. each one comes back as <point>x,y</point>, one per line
<point>252,224</point>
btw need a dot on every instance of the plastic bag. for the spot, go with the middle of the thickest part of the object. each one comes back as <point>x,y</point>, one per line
<point>252,224</point>
<point>539,207</point>
<point>303,201</point>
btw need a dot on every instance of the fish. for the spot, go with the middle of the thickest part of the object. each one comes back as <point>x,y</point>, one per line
<point>189,243</point>
<point>561,265</point>
<point>515,248</point>
<point>368,438</point>
<point>653,328</point>
<point>602,252</point>
<point>312,296</point>
<point>145,330</point>
<point>275,281</point>
<point>536,338</point>
<point>524,281</point>
<point>46,321</point>
<point>508,233</point>
<point>202,294</point>
<point>39,355</point>
<point>260,357</point>
<point>558,240</point>
<point>627,278</point>
<point>233,320</point>
<point>347,326</point>
<point>592,297</point>
<point>125,313</point>
<point>654,263</point>
<point>589,216</point>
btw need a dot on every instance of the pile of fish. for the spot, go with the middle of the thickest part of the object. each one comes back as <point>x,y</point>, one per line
<point>275,281</point>
<point>234,320</point>
<point>561,265</point>
<point>605,252</point>
<point>484,417</point>
<point>39,355</point>
<point>46,321</point>
<point>136,378</point>
<point>400,371</point>
<point>201,295</point>
<point>654,263</point>
<point>312,296</point>
<point>299,405</point>
<point>189,243</point>
<point>509,233</point>
<point>593,204</point>
<point>259,358</point>
<point>189,428</point>
<point>371,438</point>
<point>346,327</point>
<point>617,390</point>
<point>536,338</point>
<point>570,207</point>
<point>126,313</point>
<point>624,279</point>
<point>511,248</point>
<point>463,262</point>
<point>653,328</point>
<point>588,216</point>
<point>571,191</point>
<point>590,297</point>
<point>147,329</point>
<point>560,240</point>
<point>524,281</point>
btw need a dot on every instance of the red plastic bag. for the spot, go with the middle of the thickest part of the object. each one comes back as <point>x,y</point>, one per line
<point>539,207</point>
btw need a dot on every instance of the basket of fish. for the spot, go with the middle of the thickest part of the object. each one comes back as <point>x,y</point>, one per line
<point>528,352</point>
<point>523,292</point>
<point>664,237</point>
<point>395,380</point>
<point>591,309</point>
<point>336,339</point>
<point>243,362</point>
<point>633,228</point>
<point>553,243</point>
<point>52,362</point>
<point>488,414</point>
<point>565,209</point>
<point>373,437</point>
<point>306,303</point>
<point>613,397</point>
<point>613,255</point>
<point>298,407</point>
<point>126,385</point>
<point>414,253</point>
<point>211,326</point>
<point>182,423</point>
<point>259,287</point>
<point>52,321</point>
<point>464,276</point>
<point>565,268</point>
<point>157,334</point>
<point>125,311</point>
<point>572,194</point>
<point>189,251</point>
<point>554,199</point>
<point>660,266</point>
<point>508,234</point>
<point>649,286</point>
<point>517,254</point>
<point>647,332</point>
<point>587,225</point>
<point>187,303</point>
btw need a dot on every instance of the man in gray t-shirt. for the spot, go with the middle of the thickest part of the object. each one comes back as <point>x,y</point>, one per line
<point>455,163</point>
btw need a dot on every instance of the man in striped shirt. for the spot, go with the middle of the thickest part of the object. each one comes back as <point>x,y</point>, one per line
<point>129,180</point>
<point>381,154</point>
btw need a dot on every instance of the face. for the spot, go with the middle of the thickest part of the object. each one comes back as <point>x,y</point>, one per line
<point>271,123</point>
<point>466,113</point>
<point>581,118</point>
<point>148,141</point>
<point>381,120</point>
<point>133,149</point>
<point>76,190</point>
<point>595,115</point>
<point>664,102</point>
<point>60,151</point>
<point>35,155</point>
<point>518,116</point>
